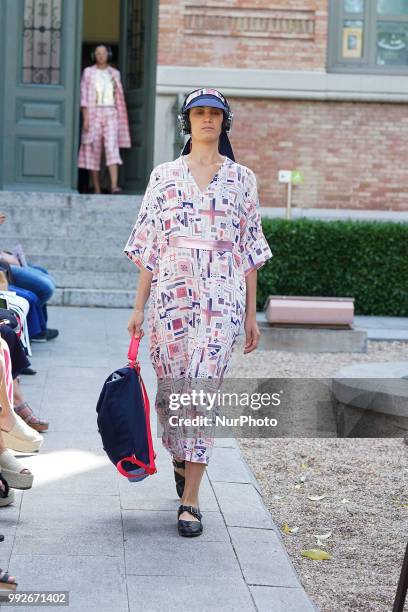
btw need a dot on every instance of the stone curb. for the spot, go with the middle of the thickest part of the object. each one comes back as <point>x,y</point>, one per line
<point>290,583</point>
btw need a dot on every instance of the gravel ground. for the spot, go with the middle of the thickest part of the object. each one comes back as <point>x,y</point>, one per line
<point>365,482</point>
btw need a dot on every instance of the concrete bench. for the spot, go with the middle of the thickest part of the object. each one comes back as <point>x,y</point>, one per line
<point>310,325</point>
<point>371,400</point>
<point>336,312</point>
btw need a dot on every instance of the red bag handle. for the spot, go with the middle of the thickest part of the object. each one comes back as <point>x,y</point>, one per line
<point>133,350</point>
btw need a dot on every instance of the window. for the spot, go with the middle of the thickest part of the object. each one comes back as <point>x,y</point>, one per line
<point>135,44</point>
<point>42,42</point>
<point>368,36</point>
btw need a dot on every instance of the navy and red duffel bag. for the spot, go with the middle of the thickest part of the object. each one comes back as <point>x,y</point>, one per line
<point>123,420</point>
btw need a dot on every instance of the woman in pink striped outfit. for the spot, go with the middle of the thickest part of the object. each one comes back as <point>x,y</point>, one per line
<point>105,119</point>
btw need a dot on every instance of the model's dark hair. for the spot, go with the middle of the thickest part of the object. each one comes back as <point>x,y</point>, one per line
<point>108,49</point>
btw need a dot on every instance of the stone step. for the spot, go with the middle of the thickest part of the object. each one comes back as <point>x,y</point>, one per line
<point>63,228</point>
<point>68,216</point>
<point>79,239</point>
<point>63,223</point>
<point>20,201</point>
<point>55,212</point>
<point>113,245</point>
<point>96,280</point>
<point>104,298</point>
<point>109,263</point>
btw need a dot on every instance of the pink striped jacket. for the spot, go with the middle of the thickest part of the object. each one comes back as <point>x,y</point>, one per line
<point>88,99</point>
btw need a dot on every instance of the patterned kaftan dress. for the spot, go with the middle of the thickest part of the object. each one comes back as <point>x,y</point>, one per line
<point>197,299</point>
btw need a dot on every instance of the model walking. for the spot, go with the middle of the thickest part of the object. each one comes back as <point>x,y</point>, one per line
<point>198,241</point>
<point>105,119</point>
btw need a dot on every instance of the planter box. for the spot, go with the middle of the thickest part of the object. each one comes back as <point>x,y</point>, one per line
<point>309,311</point>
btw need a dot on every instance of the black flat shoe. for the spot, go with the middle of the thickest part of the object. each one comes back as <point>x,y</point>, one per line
<point>180,480</point>
<point>48,334</point>
<point>28,371</point>
<point>190,529</point>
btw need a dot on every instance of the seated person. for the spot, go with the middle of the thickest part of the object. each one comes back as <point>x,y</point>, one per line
<point>36,322</point>
<point>19,362</point>
<point>31,280</point>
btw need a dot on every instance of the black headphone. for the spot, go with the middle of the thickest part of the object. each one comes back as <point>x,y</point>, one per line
<point>107,47</point>
<point>183,118</point>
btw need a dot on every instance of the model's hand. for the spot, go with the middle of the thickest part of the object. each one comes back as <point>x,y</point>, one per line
<point>86,124</point>
<point>2,218</point>
<point>135,324</point>
<point>252,333</point>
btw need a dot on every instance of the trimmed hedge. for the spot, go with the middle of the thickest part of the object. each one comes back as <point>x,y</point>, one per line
<point>367,260</point>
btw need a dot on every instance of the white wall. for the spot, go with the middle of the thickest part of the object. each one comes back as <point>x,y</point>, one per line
<point>165,129</point>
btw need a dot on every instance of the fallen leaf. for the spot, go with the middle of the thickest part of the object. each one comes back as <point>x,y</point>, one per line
<point>304,466</point>
<point>286,529</point>
<point>321,538</point>
<point>298,485</point>
<point>316,554</point>
<point>316,497</point>
<point>277,497</point>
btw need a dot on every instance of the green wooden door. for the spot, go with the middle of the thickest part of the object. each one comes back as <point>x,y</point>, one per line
<point>42,42</point>
<point>137,59</point>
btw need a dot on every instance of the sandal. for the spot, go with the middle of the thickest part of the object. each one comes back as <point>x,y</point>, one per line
<point>21,437</point>
<point>179,478</point>
<point>25,411</point>
<point>18,477</point>
<point>6,495</point>
<point>190,529</point>
<point>7,582</point>
<point>116,191</point>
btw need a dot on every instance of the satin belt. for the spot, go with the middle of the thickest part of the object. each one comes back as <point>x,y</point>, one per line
<point>189,242</point>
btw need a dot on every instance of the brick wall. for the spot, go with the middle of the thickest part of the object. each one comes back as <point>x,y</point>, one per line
<point>351,153</point>
<point>244,33</point>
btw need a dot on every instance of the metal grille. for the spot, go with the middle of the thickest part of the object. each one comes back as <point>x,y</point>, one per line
<point>42,42</point>
<point>135,44</point>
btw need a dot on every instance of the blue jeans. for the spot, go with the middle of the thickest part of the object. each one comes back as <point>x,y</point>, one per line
<point>35,279</point>
<point>36,318</point>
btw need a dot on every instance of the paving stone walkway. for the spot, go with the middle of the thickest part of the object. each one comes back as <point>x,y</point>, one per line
<point>114,545</point>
